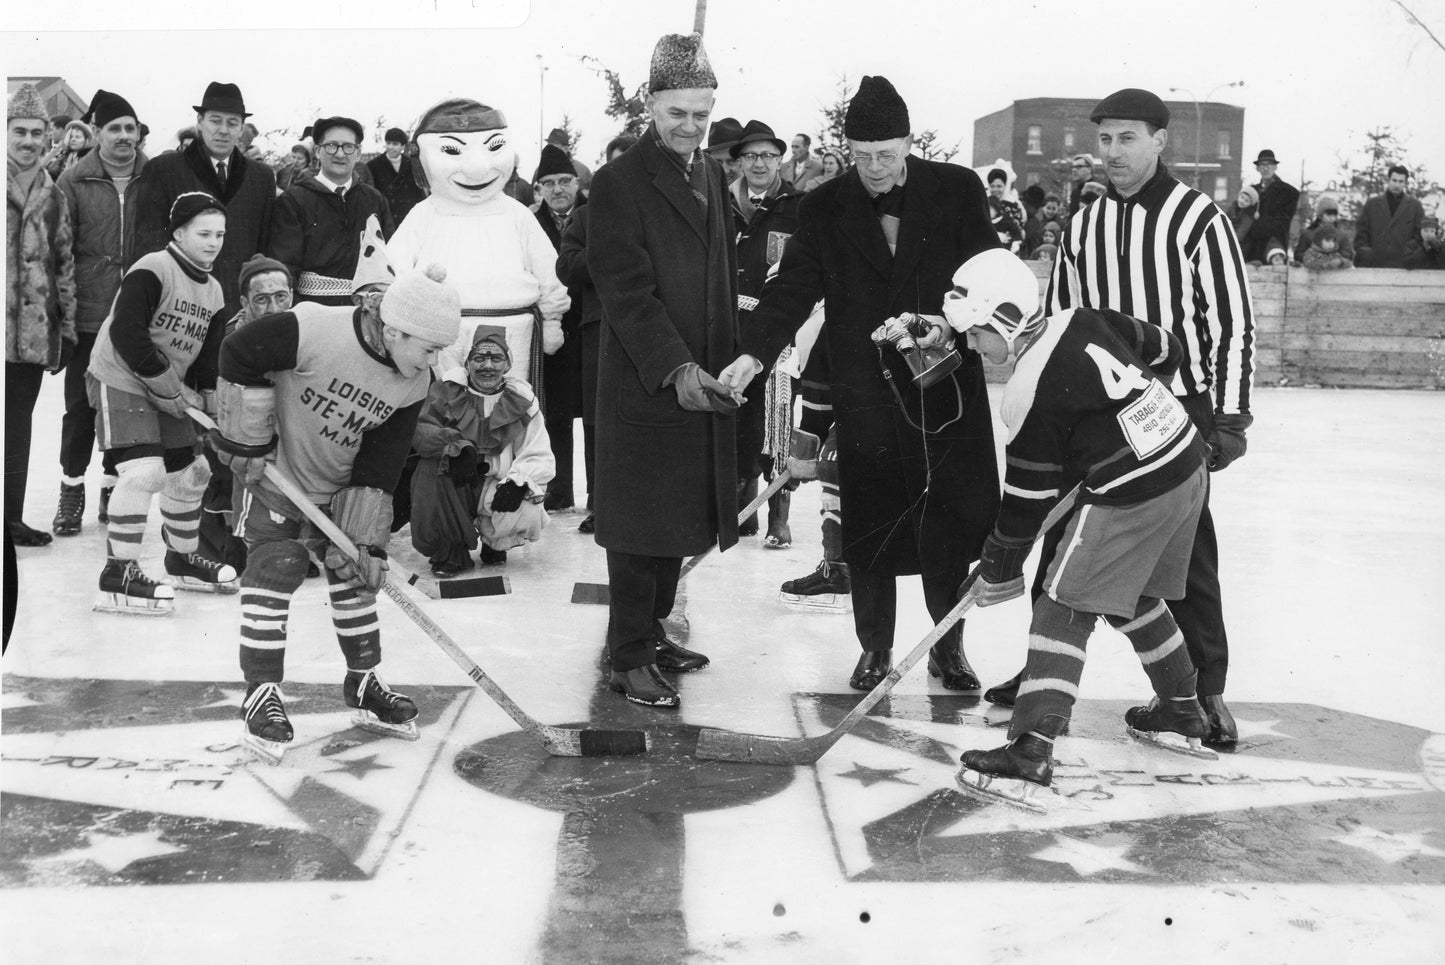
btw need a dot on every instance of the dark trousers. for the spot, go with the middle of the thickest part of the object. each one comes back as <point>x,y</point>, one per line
<point>77,426</point>
<point>22,388</point>
<point>559,431</point>
<point>1200,614</point>
<point>589,456</point>
<point>591,338</point>
<point>641,590</point>
<point>875,605</point>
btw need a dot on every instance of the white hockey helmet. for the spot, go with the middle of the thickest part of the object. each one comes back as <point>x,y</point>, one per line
<point>996,289</point>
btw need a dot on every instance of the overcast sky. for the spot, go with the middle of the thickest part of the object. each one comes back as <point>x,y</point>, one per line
<point>1317,74</point>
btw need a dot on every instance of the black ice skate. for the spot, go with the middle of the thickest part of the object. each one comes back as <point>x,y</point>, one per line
<point>825,589</point>
<point>192,571</point>
<point>124,588</point>
<point>67,515</point>
<point>1176,724</point>
<point>1013,774</point>
<point>379,710</point>
<point>268,729</point>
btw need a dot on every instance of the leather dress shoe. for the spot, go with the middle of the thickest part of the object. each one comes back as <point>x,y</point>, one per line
<point>872,667</point>
<point>673,658</point>
<point>588,525</point>
<point>644,685</point>
<point>1004,694</point>
<point>445,568</point>
<point>1223,732</point>
<point>947,662</point>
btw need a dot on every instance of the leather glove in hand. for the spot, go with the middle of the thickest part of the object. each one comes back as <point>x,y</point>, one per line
<point>508,497</point>
<point>1226,441</point>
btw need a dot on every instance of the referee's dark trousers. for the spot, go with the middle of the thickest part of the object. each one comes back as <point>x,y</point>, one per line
<point>875,605</point>
<point>641,591</point>
<point>1200,614</point>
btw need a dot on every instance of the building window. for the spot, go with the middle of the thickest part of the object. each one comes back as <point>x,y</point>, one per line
<point>1036,137</point>
<point>1068,140</point>
<point>1221,189</point>
<point>1224,153</point>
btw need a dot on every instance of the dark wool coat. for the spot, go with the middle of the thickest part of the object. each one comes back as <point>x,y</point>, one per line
<point>39,273</point>
<point>665,270</point>
<point>572,271</point>
<point>96,227</point>
<point>398,187</point>
<point>313,229</point>
<point>562,370</point>
<point>1383,240</point>
<point>1277,205</point>
<point>908,505</point>
<point>249,195</point>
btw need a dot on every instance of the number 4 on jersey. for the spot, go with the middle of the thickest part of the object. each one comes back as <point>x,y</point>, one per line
<point>1119,378</point>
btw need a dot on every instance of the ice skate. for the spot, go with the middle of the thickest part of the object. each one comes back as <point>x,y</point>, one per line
<point>192,571</point>
<point>826,589</point>
<point>124,588</point>
<point>71,508</point>
<point>1011,774</point>
<point>1176,724</point>
<point>268,731</point>
<point>379,710</point>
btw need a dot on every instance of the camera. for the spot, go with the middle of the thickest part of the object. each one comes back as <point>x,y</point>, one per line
<point>928,365</point>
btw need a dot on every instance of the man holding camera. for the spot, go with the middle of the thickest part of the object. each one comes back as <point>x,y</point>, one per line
<point>918,473</point>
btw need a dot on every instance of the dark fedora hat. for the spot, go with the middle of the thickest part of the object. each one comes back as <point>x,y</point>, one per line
<point>1266,157</point>
<point>757,131</point>
<point>723,133</point>
<point>222,97</point>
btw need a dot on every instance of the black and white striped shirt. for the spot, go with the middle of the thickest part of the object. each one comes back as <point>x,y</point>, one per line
<point>1169,256</point>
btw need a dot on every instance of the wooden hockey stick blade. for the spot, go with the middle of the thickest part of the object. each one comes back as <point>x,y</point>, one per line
<point>558,741</point>
<point>591,593</point>
<point>464,588</point>
<point>725,745</point>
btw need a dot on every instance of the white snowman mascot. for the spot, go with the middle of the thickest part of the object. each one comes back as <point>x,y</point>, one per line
<point>496,254</point>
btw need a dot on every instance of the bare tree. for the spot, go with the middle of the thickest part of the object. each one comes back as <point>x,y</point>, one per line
<point>929,148</point>
<point>629,109</point>
<point>1412,18</point>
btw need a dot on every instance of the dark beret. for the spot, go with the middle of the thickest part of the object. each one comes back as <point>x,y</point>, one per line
<point>1132,104</point>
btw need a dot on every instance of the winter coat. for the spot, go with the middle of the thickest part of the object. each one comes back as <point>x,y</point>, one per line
<point>572,270</point>
<point>1383,240</point>
<point>98,228</point>
<point>1307,238</point>
<point>1275,214</point>
<point>1317,260</point>
<point>1243,220</point>
<point>665,268</point>
<point>249,195</point>
<point>39,272</point>
<point>812,168</point>
<point>398,187</point>
<point>562,370</point>
<point>315,230</point>
<point>910,503</point>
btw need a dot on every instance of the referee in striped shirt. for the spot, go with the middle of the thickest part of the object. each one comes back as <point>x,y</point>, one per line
<point>1163,252</point>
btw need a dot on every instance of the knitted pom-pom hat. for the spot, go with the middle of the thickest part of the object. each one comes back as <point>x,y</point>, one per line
<point>422,304</point>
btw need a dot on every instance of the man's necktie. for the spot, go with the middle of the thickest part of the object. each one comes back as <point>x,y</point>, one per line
<point>221,172</point>
<point>341,193</point>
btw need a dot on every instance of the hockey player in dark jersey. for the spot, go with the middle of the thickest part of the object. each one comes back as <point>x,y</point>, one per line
<point>1088,404</point>
<point>332,394</point>
<point>155,356</point>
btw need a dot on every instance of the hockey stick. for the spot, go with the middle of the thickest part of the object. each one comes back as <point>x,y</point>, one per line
<point>597,592</point>
<point>559,741</point>
<point>726,745</point>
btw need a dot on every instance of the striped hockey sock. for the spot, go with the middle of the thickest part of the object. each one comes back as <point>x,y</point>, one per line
<point>1057,637</point>
<point>1160,645</point>
<point>140,479</point>
<point>353,616</point>
<point>181,506</point>
<point>273,573</point>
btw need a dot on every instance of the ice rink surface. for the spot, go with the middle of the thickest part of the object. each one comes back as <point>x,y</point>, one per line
<point>133,830</point>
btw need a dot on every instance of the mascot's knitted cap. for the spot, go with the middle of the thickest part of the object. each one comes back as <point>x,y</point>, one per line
<point>422,304</point>
<point>106,107</point>
<point>679,62</point>
<point>373,267</point>
<point>554,161</point>
<point>876,113</point>
<point>459,115</point>
<point>190,204</point>
<point>260,265</point>
<point>1132,104</point>
<point>494,334</point>
<point>26,102</point>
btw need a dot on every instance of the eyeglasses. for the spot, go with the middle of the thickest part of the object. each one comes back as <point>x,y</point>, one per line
<point>886,157</point>
<point>752,157</point>
<point>561,181</point>
<point>336,147</point>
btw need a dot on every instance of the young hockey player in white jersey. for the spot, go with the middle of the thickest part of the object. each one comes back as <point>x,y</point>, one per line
<point>1087,403</point>
<point>154,357</point>
<point>331,394</point>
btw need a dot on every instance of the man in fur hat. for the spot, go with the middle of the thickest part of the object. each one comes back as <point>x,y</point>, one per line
<point>661,254</point>
<point>917,471</point>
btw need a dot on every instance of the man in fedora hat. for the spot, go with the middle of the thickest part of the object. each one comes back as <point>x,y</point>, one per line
<point>1277,201</point>
<point>721,139</point>
<point>213,163</point>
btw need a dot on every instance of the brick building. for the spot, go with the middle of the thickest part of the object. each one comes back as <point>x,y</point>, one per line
<point>1039,135</point>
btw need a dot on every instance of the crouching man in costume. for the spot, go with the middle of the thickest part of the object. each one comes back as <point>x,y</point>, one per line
<point>331,394</point>
<point>485,463</point>
<point>1088,402</point>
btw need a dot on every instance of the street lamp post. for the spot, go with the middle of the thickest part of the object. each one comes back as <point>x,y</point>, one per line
<point>541,97</point>
<point>1199,117</point>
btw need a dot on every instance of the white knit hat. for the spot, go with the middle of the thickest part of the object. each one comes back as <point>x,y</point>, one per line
<point>422,304</point>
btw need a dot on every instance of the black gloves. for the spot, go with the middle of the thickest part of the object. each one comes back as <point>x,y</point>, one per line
<point>508,497</point>
<point>1226,441</point>
<point>465,467</point>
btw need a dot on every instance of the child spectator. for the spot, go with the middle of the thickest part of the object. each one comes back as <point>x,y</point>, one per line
<point>1432,252</point>
<point>1276,254</point>
<point>1324,251</point>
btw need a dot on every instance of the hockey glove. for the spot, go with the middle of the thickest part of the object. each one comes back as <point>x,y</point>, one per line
<point>1000,570</point>
<point>363,514</point>
<point>1226,441</point>
<point>803,456</point>
<point>245,428</point>
<point>169,395</point>
<point>508,497</point>
<point>465,467</point>
<point>697,391</point>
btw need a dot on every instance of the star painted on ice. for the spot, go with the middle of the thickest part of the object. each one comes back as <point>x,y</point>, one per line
<point>360,767</point>
<point>115,852</point>
<point>1087,858</point>
<point>1251,729</point>
<point>1388,847</point>
<point>868,776</point>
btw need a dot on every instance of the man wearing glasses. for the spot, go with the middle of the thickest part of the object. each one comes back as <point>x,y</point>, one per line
<point>1081,172</point>
<point>316,232</point>
<point>214,163</point>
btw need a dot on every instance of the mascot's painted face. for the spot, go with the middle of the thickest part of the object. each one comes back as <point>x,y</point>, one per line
<point>467,167</point>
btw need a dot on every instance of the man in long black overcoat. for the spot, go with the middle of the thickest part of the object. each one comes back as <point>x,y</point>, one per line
<point>918,470</point>
<point>662,256</point>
